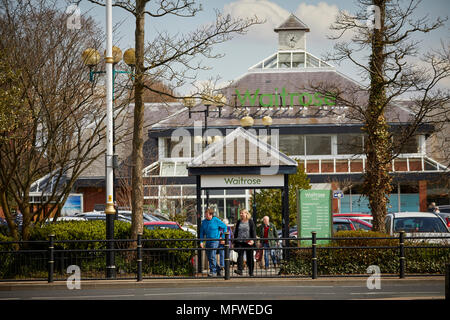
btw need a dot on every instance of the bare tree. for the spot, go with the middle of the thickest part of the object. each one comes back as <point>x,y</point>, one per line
<point>392,73</point>
<point>59,135</point>
<point>168,58</point>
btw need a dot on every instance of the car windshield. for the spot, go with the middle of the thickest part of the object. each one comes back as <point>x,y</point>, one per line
<point>419,224</point>
<point>161,226</point>
<point>360,226</point>
<point>341,226</point>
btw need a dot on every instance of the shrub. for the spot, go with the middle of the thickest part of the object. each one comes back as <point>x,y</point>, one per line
<point>343,256</point>
<point>166,261</point>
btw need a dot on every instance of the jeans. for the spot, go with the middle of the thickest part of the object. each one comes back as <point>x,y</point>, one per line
<point>266,247</point>
<point>211,255</point>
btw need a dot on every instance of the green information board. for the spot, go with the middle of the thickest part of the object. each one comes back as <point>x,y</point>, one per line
<point>314,214</point>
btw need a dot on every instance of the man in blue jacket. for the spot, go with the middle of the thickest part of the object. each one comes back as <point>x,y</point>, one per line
<point>210,229</point>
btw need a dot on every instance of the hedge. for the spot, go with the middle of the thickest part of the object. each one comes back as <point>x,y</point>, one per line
<point>165,262</point>
<point>351,260</point>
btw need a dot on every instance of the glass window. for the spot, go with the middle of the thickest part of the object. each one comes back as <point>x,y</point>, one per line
<point>292,145</point>
<point>167,168</point>
<point>341,226</point>
<point>312,62</point>
<point>284,60</point>
<point>349,144</point>
<point>411,145</point>
<point>271,62</point>
<point>181,169</point>
<point>232,209</point>
<point>235,192</point>
<point>360,226</point>
<point>419,224</point>
<point>298,60</point>
<point>318,145</point>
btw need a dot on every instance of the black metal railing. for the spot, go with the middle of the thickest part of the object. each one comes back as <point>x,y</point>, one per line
<point>140,258</point>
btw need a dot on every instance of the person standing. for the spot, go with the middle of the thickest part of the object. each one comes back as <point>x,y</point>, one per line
<point>267,230</point>
<point>222,247</point>
<point>210,229</point>
<point>245,229</point>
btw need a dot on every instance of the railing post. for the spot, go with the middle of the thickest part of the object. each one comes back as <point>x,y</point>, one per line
<point>447,282</point>
<point>139,257</point>
<point>402,254</point>
<point>314,255</point>
<point>51,258</point>
<point>227,256</point>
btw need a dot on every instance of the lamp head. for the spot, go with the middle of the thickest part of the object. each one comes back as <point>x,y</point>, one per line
<point>116,54</point>
<point>129,56</point>
<point>247,122</point>
<point>90,57</point>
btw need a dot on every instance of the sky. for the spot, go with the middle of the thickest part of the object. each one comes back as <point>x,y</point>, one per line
<point>243,51</point>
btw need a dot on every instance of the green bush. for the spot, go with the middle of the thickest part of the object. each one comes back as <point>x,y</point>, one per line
<point>166,261</point>
<point>351,260</point>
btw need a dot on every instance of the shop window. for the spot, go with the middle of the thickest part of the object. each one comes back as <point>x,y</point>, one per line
<point>292,144</point>
<point>350,144</point>
<point>318,145</point>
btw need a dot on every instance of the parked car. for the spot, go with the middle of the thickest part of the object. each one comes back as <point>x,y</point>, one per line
<point>152,225</point>
<point>446,217</point>
<point>146,217</point>
<point>342,224</point>
<point>360,224</point>
<point>417,224</point>
<point>362,216</point>
<point>66,218</point>
<point>98,215</point>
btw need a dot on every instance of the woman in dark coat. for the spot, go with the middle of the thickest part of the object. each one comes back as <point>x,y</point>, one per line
<point>245,229</point>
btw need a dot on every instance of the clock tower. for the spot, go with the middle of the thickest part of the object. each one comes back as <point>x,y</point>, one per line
<point>292,34</point>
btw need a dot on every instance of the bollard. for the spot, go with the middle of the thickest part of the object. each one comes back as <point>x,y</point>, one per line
<point>402,254</point>
<point>314,255</point>
<point>227,256</point>
<point>139,257</point>
<point>51,260</point>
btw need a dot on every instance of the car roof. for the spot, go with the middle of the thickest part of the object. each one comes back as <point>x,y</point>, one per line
<point>343,220</point>
<point>353,215</point>
<point>413,215</point>
<point>160,222</point>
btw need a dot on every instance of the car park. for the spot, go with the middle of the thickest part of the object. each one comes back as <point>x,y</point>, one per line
<point>417,224</point>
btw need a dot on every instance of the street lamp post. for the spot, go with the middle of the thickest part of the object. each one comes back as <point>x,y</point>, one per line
<point>91,58</point>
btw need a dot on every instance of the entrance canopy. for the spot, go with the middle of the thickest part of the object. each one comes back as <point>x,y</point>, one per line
<point>244,161</point>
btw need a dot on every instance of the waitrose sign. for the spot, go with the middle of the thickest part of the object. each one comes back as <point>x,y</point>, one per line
<point>241,181</point>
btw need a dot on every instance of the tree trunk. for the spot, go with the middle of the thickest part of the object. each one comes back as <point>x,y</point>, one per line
<point>377,182</point>
<point>137,195</point>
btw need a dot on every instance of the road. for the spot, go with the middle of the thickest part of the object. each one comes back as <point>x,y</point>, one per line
<point>257,289</point>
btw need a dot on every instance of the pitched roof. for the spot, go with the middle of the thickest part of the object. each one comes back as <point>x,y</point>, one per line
<point>292,23</point>
<point>241,148</point>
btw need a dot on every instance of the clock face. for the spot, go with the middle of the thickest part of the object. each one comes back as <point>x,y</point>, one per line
<point>292,40</point>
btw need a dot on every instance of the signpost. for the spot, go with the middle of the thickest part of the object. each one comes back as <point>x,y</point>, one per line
<point>314,214</point>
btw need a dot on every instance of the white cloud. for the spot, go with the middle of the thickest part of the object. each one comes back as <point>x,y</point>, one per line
<point>272,13</point>
<point>318,18</point>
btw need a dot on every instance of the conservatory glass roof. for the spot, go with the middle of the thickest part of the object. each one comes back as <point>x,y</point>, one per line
<point>290,60</point>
